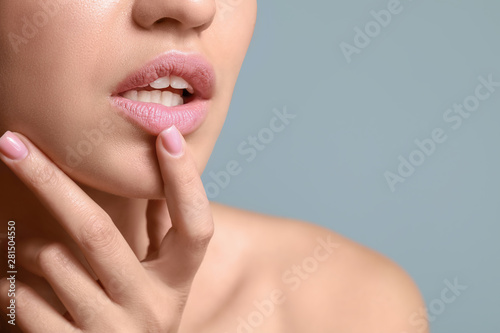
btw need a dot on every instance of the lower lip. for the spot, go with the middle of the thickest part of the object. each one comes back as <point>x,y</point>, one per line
<point>154,118</point>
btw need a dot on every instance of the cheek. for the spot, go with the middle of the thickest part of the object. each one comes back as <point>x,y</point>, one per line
<point>231,32</point>
<point>45,63</point>
<point>233,28</point>
<point>53,91</point>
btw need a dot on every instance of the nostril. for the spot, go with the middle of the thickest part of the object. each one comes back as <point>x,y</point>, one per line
<point>164,20</point>
<point>190,14</point>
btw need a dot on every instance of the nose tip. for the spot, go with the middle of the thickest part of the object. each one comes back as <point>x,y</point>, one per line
<point>190,14</point>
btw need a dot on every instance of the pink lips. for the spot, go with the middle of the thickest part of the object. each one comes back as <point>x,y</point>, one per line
<point>154,118</point>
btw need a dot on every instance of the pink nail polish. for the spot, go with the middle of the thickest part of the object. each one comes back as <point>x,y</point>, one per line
<point>12,147</point>
<point>172,141</point>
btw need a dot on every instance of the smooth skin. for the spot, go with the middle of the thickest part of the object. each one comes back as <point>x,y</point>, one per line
<point>127,241</point>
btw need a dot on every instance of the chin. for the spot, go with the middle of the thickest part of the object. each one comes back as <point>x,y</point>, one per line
<point>137,178</point>
<point>127,186</point>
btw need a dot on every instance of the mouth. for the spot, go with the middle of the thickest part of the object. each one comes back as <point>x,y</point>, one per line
<point>173,89</point>
<point>168,91</point>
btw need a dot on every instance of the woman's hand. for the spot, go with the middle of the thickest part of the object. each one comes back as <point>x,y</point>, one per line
<point>130,296</point>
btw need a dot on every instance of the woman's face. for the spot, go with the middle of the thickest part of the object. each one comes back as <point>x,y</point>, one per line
<point>62,63</point>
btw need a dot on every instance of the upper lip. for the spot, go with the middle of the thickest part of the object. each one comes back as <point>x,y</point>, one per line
<point>192,67</point>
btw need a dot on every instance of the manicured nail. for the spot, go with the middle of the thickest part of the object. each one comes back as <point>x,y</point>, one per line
<point>172,141</point>
<point>12,147</point>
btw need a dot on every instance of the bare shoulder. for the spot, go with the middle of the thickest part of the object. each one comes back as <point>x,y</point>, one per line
<point>322,281</point>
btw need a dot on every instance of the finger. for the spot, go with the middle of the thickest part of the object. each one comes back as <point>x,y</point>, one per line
<point>32,313</point>
<point>158,224</point>
<point>185,244</point>
<point>86,222</point>
<point>80,294</point>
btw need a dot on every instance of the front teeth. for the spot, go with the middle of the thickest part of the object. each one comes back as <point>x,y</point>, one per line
<point>166,98</point>
<point>172,81</point>
<point>161,83</point>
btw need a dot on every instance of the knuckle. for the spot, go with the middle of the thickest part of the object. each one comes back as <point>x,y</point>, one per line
<point>117,285</point>
<point>98,233</point>
<point>24,296</point>
<point>156,321</point>
<point>205,233</point>
<point>201,236</point>
<point>153,324</point>
<point>50,254</point>
<point>157,318</point>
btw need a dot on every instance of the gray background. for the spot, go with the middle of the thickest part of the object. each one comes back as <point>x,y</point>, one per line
<point>354,120</point>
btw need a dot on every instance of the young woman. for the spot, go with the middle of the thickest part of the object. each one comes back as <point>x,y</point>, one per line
<point>110,111</point>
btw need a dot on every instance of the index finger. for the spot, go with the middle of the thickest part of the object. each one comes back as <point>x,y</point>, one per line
<point>83,219</point>
<point>186,242</point>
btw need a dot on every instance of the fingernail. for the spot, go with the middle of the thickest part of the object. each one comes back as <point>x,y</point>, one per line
<point>12,147</point>
<point>172,141</point>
